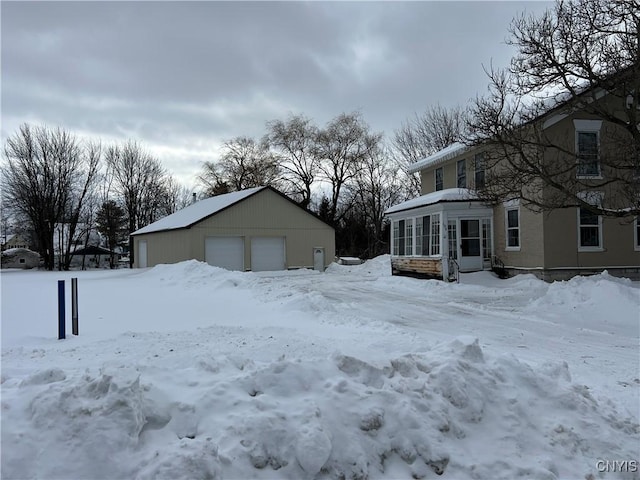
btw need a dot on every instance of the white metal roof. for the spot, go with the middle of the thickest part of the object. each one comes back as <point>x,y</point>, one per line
<point>197,211</point>
<point>448,195</point>
<point>438,157</point>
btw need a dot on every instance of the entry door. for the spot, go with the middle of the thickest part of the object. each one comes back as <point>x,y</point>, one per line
<point>470,253</point>
<point>267,254</point>
<point>225,252</point>
<point>142,254</point>
<point>318,258</point>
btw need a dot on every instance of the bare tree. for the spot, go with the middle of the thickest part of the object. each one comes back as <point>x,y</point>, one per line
<point>47,177</point>
<point>245,163</point>
<point>423,135</point>
<point>294,141</point>
<point>342,146</point>
<point>138,180</point>
<point>377,187</point>
<point>578,56</point>
<point>176,196</point>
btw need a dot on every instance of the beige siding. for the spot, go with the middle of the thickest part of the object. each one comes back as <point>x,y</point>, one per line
<point>164,247</point>
<point>427,184</point>
<point>561,242</point>
<point>261,215</point>
<point>450,176</point>
<point>531,253</point>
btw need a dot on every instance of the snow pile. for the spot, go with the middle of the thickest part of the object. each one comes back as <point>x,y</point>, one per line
<point>195,274</point>
<point>379,266</point>
<point>446,410</point>
<point>602,302</point>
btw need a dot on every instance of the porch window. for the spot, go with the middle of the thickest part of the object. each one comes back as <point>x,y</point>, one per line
<point>479,167</point>
<point>424,235</point>
<point>423,241</point>
<point>461,168</point>
<point>401,233</point>
<point>439,174</point>
<point>396,239</point>
<point>435,234</point>
<point>512,215</point>
<point>408,247</point>
<point>453,239</point>
<point>589,230</point>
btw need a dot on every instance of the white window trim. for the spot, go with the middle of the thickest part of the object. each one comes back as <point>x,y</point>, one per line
<point>600,247</point>
<point>414,252</point>
<point>588,126</point>
<point>636,240</point>
<point>512,205</point>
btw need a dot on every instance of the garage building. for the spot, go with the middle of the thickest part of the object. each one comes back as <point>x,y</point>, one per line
<point>256,229</point>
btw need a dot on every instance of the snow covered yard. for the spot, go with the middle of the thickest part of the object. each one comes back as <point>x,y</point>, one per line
<point>189,371</point>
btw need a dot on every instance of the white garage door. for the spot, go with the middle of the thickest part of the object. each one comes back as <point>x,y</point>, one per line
<point>267,253</point>
<point>225,252</point>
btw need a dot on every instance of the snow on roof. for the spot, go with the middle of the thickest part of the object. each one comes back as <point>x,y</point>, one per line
<point>197,211</point>
<point>448,195</point>
<point>438,157</point>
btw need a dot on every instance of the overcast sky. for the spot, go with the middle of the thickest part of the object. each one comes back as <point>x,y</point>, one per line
<point>183,77</point>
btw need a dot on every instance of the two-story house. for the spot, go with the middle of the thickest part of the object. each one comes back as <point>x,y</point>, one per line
<point>450,221</point>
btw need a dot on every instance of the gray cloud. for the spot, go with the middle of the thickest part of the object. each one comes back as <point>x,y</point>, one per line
<point>181,77</point>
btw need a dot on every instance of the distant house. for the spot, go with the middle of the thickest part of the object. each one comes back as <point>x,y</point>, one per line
<point>256,229</point>
<point>19,258</point>
<point>448,229</point>
<point>13,241</point>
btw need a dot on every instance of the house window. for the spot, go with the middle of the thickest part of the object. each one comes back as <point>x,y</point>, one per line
<point>588,155</point>
<point>486,238</point>
<point>461,168</point>
<point>636,234</point>
<point>396,239</point>
<point>400,236</point>
<point>408,242</point>
<point>587,148</point>
<point>589,230</point>
<point>426,236</point>
<point>512,219</point>
<point>479,167</point>
<point>439,178</point>
<point>435,234</point>
<point>453,239</point>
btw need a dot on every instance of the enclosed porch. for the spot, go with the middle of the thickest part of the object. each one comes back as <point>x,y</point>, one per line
<point>448,224</point>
